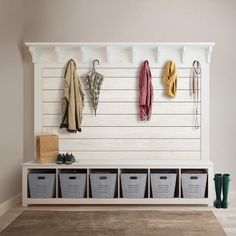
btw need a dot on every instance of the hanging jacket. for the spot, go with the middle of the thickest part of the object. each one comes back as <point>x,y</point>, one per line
<point>73,100</point>
<point>94,82</point>
<point>145,92</point>
<point>170,78</point>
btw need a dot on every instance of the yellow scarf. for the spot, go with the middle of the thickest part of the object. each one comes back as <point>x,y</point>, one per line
<point>170,77</point>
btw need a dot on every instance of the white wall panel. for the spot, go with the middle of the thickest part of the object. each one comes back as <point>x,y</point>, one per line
<point>116,83</point>
<point>130,144</point>
<point>120,108</point>
<point>126,120</point>
<point>111,72</point>
<point>136,155</point>
<point>127,132</point>
<point>116,132</point>
<point>122,96</point>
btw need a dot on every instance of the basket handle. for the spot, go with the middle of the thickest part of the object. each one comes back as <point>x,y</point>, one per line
<point>193,177</point>
<point>133,177</point>
<point>102,177</point>
<point>41,177</point>
<point>72,177</point>
<point>163,177</point>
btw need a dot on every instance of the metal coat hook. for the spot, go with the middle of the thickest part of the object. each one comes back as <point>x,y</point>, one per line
<point>196,76</point>
<point>197,67</point>
<point>94,61</point>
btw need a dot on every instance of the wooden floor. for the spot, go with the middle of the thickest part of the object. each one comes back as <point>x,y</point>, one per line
<point>227,217</point>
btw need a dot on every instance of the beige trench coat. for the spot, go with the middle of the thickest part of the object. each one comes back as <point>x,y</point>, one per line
<point>73,100</point>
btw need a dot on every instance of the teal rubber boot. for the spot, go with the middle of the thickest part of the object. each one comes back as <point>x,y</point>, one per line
<point>226,180</point>
<point>218,187</point>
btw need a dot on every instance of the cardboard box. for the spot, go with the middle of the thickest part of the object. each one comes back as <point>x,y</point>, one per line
<point>47,148</point>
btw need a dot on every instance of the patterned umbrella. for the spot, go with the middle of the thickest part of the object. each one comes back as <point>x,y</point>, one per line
<point>93,82</point>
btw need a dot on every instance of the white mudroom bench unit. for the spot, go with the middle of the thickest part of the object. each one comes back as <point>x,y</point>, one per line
<point>176,137</point>
<point>118,167</point>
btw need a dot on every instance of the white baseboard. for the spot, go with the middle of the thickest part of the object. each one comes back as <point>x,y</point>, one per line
<point>10,203</point>
<point>232,196</point>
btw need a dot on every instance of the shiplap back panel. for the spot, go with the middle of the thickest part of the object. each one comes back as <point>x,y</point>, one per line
<point>116,132</point>
<point>117,127</point>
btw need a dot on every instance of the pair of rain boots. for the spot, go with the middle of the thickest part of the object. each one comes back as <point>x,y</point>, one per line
<point>221,182</point>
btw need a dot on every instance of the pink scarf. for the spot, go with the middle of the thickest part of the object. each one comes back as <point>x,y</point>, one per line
<point>145,92</point>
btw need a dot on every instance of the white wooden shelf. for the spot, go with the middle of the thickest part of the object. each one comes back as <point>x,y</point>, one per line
<point>117,53</point>
<point>119,166</point>
<point>93,164</point>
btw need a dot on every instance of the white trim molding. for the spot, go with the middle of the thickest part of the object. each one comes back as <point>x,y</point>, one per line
<point>10,203</point>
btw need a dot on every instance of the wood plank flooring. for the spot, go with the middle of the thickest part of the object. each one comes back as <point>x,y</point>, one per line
<point>227,217</point>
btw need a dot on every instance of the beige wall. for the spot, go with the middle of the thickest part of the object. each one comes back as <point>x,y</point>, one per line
<point>11,102</point>
<point>150,20</point>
